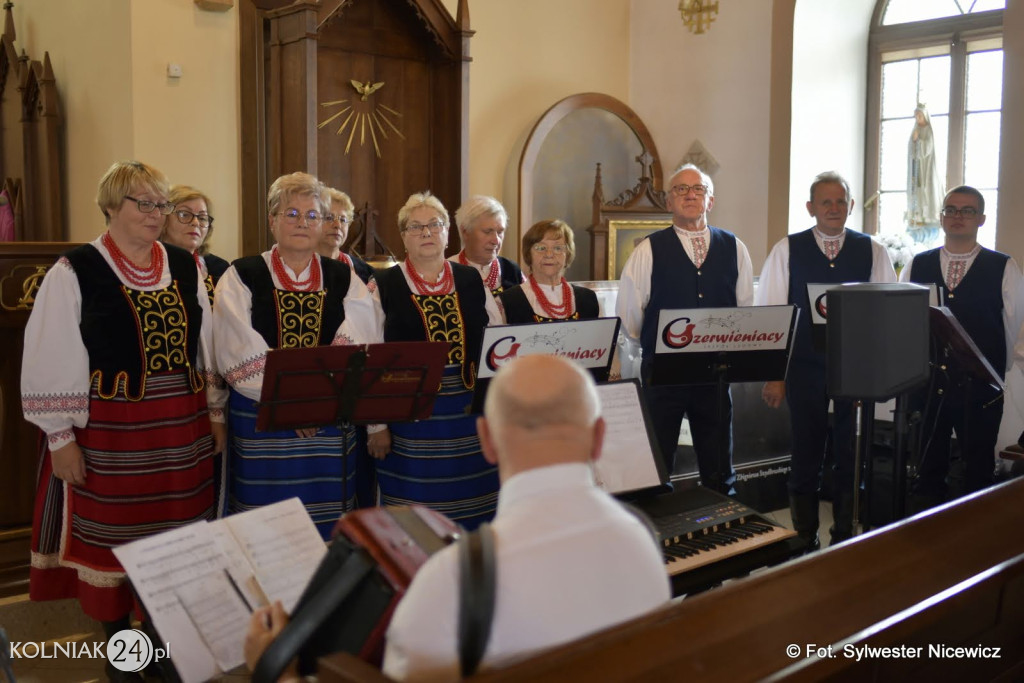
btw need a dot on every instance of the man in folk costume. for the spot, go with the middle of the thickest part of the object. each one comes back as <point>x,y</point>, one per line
<point>687,265</point>
<point>983,290</point>
<point>829,252</point>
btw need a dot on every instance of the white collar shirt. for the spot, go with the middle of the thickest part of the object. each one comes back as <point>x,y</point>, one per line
<point>570,561</point>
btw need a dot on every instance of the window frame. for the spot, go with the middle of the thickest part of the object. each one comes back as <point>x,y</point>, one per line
<point>954,32</point>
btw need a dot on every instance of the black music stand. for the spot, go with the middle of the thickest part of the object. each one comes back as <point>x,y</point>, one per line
<point>722,368</point>
<point>959,357</point>
<point>348,385</point>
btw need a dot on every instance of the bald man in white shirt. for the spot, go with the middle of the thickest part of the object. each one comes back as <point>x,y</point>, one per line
<point>570,559</point>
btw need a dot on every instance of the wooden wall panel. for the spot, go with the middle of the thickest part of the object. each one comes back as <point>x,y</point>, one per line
<point>22,267</point>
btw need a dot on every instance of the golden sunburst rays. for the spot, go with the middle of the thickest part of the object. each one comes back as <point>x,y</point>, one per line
<point>377,121</point>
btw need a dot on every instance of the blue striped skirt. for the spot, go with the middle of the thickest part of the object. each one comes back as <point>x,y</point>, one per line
<point>267,467</point>
<point>437,462</point>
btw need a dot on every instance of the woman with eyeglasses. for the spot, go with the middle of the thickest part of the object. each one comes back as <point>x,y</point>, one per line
<point>436,462</point>
<point>335,231</point>
<point>189,226</point>
<point>118,349</point>
<point>548,250</point>
<point>285,298</point>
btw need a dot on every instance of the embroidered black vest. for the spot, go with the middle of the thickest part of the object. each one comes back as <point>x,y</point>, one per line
<point>458,318</point>
<point>511,275</point>
<point>295,320</point>
<point>808,265</point>
<point>677,283</point>
<point>215,267</point>
<point>363,269</point>
<point>518,309</point>
<point>131,334</point>
<point>977,302</point>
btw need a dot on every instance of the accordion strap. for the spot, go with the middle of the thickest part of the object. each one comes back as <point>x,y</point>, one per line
<point>477,577</point>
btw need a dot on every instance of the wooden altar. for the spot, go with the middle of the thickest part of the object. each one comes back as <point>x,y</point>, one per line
<point>371,96</point>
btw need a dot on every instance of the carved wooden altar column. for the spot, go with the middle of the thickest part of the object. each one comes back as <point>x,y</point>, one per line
<point>291,85</point>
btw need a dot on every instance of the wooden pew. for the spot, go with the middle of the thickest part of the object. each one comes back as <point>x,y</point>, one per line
<point>22,267</point>
<point>950,577</point>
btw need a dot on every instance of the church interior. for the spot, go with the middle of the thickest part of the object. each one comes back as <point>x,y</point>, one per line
<point>575,109</point>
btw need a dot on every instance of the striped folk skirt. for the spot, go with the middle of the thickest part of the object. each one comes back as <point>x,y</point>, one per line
<point>267,467</point>
<point>438,462</point>
<point>149,468</point>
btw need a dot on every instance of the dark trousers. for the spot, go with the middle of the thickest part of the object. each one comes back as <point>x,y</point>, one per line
<point>808,415</point>
<point>710,425</point>
<point>971,412</point>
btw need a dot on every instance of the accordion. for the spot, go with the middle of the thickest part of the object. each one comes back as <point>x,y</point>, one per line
<point>348,603</point>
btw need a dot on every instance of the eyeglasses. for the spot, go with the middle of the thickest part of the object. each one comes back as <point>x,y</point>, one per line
<point>341,218</point>
<point>966,212</point>
<point>681,189</point>
<point>146,206</point>
<point>434,226</point>
<point>185,216</point>
<point>292,216</point>
<point>543,249</point>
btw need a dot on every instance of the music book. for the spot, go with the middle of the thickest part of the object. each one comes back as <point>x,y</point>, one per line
<point>200,583</point>
<point>629,460</point>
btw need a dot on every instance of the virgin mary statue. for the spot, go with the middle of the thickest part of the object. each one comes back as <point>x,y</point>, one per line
<point>924,189</point>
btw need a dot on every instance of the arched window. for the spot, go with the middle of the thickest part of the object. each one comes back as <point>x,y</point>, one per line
<point>934,111</point>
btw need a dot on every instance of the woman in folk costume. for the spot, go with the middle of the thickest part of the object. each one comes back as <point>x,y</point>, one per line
<point>116,373</point>
<point>337,221</point>
<point>548,250</point>
<point>289,297</point>
<point>190,226</point>
<point>436,462</point>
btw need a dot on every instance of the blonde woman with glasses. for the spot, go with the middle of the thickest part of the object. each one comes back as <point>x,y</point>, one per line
<point>118,354</point>
<point>436,462</point>
<point>337,222</point>
<point>190,226</point>
<point>289,297</point>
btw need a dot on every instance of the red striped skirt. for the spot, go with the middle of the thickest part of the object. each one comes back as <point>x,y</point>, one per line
<point>149,468</point>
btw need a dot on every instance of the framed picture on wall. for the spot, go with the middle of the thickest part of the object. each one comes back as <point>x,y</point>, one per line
<point>623,236</point>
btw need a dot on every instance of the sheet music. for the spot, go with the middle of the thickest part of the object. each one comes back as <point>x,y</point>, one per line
<point>283,547</point>
<point>627,460</point>
<point>238,564</point>
<point>220,616</point>
<point>158,567</point>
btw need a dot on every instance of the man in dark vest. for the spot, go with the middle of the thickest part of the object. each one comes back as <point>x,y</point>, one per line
<point>982,289</point>
<point>687,265</point>
<point>827,253</point>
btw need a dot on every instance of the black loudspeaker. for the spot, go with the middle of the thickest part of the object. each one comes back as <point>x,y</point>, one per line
<point>877,340</point>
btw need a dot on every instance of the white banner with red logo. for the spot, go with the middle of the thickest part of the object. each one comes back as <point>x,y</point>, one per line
<point>708,330</point>
<point>816,294</point>
<point>588,342</point>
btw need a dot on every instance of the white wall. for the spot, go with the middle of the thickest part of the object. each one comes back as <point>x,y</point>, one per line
<point>713,87</point>
<point>829,99</point>
<point>189,127</point>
